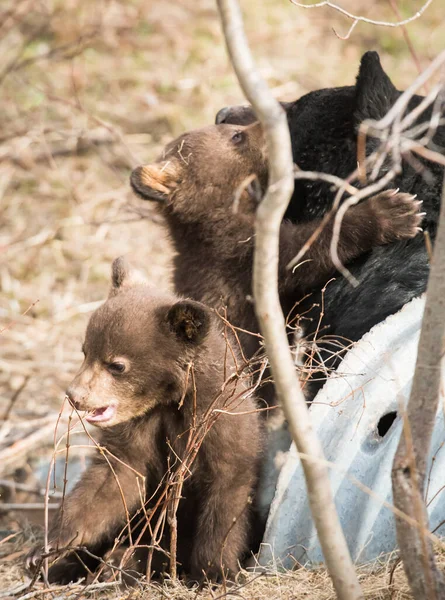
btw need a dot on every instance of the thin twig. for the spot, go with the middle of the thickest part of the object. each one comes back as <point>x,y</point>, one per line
<point>358,18</point>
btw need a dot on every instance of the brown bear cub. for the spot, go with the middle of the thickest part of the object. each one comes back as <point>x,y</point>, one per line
<point>201,185</point>
<point>165,392</point>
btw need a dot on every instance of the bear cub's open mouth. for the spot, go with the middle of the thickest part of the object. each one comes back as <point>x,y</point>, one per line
<point>102,414</point>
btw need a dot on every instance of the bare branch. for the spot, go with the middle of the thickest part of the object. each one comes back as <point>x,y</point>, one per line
<point>412,51</point>
<point>267,302</point>
<point>360,19</point>
<point>409,467</point>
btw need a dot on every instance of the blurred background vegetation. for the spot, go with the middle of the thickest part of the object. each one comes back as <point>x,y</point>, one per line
<point>90,89</point>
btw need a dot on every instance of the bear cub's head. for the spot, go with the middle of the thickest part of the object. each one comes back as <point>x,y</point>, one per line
<point>207,165</point>
<point>137,347</point>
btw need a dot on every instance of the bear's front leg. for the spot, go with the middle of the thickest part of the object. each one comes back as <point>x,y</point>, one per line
<point>387,217</point>
<point>98,507</point>
<point>222,531</point>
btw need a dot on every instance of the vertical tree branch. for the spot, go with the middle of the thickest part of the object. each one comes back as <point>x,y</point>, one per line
<point>410,461</point>
<point>267,303</point>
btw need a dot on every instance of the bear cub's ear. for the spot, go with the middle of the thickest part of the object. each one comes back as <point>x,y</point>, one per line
<point>189,321</point>
<point>123,276</point>
<point>374,91</point>
<point>156,181</point>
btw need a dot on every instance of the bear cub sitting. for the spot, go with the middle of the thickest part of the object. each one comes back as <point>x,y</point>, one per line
<point>156,373</point>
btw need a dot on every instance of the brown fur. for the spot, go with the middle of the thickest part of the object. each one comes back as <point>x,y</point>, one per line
<point>156,339</point>
<point>200,173</point>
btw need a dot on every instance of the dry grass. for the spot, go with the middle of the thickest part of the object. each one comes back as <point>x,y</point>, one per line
<point>383,580</point>
<point>87,91</point>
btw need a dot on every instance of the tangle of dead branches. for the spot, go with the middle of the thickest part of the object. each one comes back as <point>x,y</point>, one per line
<point>399,139</point>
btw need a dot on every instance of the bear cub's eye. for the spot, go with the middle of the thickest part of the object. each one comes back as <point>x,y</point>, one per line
<point>116,368</point>
<point>238,137</point>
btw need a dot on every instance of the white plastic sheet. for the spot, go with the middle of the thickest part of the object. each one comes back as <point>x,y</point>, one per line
<point>350,415</point>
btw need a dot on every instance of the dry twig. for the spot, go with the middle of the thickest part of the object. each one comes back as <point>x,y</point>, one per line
<point>358,18</point>
<point>410,462</point>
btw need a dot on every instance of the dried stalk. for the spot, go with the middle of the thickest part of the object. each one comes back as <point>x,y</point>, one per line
<point>410,462</point>
<point>268,308</point>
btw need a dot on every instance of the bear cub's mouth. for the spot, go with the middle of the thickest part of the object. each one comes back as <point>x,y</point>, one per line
<point>102,414</point>
<point>137,185</point>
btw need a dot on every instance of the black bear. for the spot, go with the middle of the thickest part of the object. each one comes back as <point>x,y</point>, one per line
<point>160,384</point>
<point>323,126</point>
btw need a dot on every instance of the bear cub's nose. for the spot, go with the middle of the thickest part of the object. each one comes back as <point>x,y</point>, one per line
<point>75,397</point>
<point>222,115</point>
